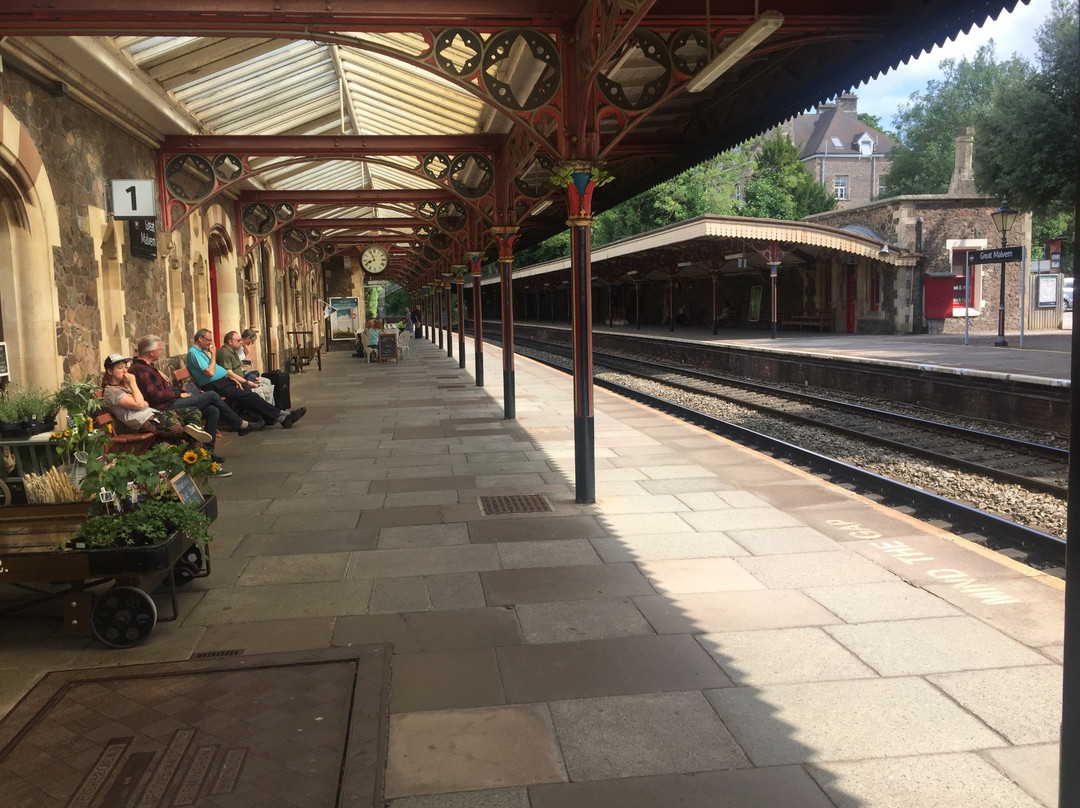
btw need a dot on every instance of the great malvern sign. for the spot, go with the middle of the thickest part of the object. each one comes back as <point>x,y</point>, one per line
<point>996,256</point>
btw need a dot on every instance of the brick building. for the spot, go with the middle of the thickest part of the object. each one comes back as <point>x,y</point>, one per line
<point>843,153</point>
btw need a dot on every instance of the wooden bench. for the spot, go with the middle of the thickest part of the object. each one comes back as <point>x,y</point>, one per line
<point>135,443</point>
<point>818,318</point>
<point>304,350</point>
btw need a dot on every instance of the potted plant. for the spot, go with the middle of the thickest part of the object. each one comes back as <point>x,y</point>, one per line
<point>134,504</point>
<point>9,423</point>
<point>79,397</point>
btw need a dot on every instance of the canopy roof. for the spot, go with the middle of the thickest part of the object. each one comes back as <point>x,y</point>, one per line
<point>423,125</point>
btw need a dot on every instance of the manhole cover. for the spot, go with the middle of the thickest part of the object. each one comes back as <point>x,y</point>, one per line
<point>515,503</point>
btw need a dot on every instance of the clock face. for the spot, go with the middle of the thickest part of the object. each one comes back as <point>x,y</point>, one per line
<point>374,259</point>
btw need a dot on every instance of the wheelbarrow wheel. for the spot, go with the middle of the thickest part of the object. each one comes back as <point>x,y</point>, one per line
<point>184,572</point>
<point>123,617</point>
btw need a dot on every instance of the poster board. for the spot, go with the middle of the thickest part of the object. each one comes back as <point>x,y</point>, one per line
<point>345,317</point>
<point>754,312</point>
<point>3,360</point>
<point>387,349</point>
<point>186,490</point>
<point>1046,290</point>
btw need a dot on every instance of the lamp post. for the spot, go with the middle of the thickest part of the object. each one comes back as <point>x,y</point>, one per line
<point>1003,220</point>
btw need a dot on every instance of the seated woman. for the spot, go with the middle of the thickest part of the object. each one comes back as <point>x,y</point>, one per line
<point>128,406</point>
<point>374,327</point>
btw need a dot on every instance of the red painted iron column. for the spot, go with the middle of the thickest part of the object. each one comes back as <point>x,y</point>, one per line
<point>505,237</point>
<point>579,191</point>
<point>475,259</point>
<point>448,284</point>
<point>459,281</point>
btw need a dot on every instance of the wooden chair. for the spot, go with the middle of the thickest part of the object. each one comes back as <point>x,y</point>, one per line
<point>304,350</point>
<point>135,443</point>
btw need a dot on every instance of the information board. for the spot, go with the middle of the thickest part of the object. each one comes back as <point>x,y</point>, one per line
<point>387,347</point>
<point>186,490</point>
<point>3,360</point>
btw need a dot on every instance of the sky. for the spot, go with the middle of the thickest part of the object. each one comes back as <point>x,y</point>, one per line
<point>1012,33</point>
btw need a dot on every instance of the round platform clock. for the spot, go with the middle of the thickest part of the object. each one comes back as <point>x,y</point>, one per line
<point>374,259</point>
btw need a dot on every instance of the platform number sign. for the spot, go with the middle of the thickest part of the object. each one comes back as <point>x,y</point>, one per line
<point>133,199</point>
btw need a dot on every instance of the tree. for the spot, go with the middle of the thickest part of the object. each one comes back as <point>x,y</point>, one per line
<point>782,187</point>
<point>927,125</point>
<point>1025,147</point>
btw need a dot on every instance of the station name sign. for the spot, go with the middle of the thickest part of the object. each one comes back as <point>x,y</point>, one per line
<point>996,256</point>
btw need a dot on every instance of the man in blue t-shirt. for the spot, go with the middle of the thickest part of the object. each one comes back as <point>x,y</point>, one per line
<point>209,375</point>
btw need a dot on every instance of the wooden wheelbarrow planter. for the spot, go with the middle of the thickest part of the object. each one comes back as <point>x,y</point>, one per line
<point>31,538</point>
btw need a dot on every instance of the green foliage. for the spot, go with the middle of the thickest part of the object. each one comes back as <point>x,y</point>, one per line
<point>79,396</point>
<point>706,188</point>
<point>371,302</point>
<point>874,122</point>
<point>1026,145</point>
<point>23,403</point>
<point>114,472</point>
<point>927,125</point>
<point>782,187</point>
<point>397,302</point>
<point>151,523</point>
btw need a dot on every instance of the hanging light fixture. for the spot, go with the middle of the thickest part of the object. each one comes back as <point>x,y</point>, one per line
<point>745,42</point>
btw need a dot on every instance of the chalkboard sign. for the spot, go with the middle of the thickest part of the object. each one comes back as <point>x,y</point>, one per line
<point>387,347</point>
<point>186,490</point>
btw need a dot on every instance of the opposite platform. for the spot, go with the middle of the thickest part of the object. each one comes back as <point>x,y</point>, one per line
<point>719,629</point>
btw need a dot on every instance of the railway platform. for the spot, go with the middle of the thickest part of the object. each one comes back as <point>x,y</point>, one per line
<point>719,629</point>
<point>1045,355</point>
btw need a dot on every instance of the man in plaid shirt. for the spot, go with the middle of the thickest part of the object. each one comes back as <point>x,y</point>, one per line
<point>162,394</point>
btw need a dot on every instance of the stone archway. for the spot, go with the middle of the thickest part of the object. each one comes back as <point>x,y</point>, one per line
<point>29,232</point>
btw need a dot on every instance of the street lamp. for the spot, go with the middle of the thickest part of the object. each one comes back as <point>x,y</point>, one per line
<point>1003,220</point>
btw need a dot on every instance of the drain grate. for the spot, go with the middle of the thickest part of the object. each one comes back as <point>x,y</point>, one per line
<point>515,503</point>
<point>215,654</point>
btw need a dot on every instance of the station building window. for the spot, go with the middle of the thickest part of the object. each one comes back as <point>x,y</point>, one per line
<point>840,187</point>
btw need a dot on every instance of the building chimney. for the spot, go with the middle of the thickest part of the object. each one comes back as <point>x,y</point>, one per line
<point>963,177</point>
<point>849,103</point>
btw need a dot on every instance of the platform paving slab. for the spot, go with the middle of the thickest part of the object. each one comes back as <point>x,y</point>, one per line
<point>431,631</point>
<point>413,561</point>
<point>879,602</point>
<point>680,576</point>
<point>703,613</point>
<point>666,546</point>
<point>546,584</point>
<point>578,620</point>
<point>967,779</point>
<point>294,568</point>
<point>574,670</point>
<point>875,718</point>
<point>803,570</point>
<point>645,734</point>
<point>462,750</point>
<point>776,787</point>
<point>782,540</point>
<point>485,798</point>
<point>445,680</point>
<point>282,543</point>
<point>267,636</point>
<point>1023,608</point>
<point>1034,768</point>
<point>565,553</point>
<point>782,656</point>
<point>281,601</point>
<point>932,645</point>
<point>1033,717</point>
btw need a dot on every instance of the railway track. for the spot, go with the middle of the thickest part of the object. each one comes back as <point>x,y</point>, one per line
<point>1014,462</point>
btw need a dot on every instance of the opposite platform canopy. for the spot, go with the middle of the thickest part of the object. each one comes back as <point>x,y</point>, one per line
<point>420,126</point>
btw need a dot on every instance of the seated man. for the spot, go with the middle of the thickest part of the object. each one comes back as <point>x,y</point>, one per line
<point>229,359</point>
<point>208,375</point>
<point>280,380</point>
<point>162,394</point>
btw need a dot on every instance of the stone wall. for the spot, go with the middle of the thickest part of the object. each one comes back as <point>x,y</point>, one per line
<point>80,153</point>
<point>947,219</point>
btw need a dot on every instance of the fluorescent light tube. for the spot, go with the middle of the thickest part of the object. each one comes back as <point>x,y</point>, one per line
<point>745,42</point>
